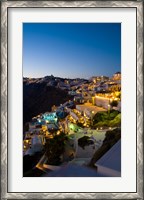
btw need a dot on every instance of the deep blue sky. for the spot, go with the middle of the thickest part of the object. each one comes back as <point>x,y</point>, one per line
<point>71,50</point>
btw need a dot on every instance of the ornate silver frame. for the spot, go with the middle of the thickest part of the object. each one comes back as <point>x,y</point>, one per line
<point>4,78</point>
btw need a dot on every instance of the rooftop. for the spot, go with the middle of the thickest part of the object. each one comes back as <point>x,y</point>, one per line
<point>90,107</point>
<point>112,158</point>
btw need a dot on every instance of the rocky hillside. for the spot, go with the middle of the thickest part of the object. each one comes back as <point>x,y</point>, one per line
<point>39,98</point>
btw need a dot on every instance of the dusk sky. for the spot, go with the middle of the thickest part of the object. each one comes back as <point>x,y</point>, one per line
<point>71,50</point>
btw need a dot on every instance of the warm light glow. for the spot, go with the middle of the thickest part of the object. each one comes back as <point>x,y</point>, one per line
<point>58,132</point>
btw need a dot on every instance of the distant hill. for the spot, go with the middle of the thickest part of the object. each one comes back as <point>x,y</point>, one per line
<point>38,97</point>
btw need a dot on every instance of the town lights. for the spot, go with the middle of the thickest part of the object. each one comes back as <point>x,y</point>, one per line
<point>58,132</point>
<point>108,109</point>
<point>108,106</point>
<point>71,126</point>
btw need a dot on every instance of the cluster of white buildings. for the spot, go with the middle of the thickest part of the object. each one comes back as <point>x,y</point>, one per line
<point>88,100</point>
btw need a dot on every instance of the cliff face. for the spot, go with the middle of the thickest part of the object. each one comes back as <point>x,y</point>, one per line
<point>39,98</point>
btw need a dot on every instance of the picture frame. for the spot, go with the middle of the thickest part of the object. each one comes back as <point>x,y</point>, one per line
<point>5,118</point>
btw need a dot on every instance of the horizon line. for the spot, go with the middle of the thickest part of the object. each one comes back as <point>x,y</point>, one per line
<point>68,77</point>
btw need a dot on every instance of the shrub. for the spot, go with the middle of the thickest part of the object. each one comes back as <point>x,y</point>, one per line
<point>116,121</point>
<point>110,139</point>
<point>84,141</point>
<point>105,119</point>
<point>114,103</point>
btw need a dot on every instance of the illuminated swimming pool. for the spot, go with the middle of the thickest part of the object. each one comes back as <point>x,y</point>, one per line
<point>50,117</point>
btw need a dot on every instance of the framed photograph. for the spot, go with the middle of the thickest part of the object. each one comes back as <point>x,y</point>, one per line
<point>72,100</point>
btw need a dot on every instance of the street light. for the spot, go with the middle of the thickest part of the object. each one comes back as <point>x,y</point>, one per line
<point>92,115</point>
<point>108,110</point>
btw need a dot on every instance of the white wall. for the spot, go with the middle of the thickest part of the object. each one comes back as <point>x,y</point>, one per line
<point>104,102</point>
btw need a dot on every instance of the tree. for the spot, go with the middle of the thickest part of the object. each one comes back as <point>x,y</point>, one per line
<point>55,147</point>
<point>114,103</point>
<point>85,141</point>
